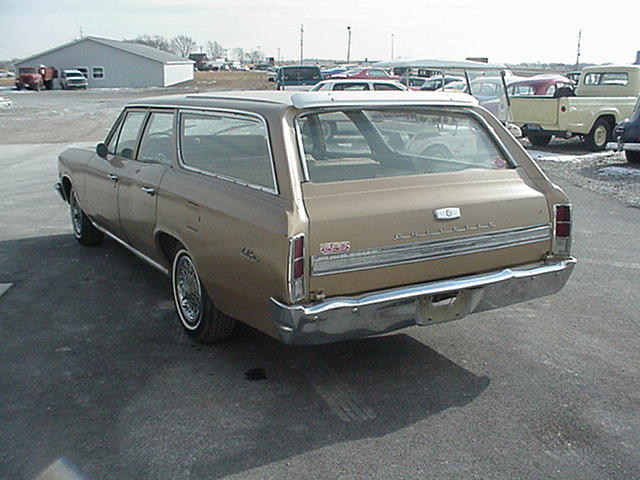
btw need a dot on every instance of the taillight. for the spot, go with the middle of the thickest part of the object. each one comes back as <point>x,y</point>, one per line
<point>562,229</point>
<point>296,268</point>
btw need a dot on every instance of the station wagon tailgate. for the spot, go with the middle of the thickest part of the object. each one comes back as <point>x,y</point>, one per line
<point>380,233</point>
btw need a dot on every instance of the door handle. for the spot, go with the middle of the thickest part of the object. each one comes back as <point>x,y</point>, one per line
<point>148,190</point>
<point>113,177</point>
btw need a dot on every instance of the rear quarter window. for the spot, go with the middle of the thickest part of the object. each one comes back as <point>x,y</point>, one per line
<point>233,147</point>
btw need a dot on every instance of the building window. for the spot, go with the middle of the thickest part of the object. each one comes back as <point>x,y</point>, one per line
<point>97,72</point>
<point>84,71</point>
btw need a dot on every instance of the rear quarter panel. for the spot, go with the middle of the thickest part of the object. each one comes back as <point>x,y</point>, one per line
<point>237,236</point>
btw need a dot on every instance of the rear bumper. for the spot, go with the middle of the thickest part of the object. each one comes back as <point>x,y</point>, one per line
<point>372,313</point>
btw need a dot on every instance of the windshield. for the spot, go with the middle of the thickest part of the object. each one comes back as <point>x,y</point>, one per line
<point>357,144</point>
<point>74,74</point>
<point>300,73</point>
<point>28,70</point>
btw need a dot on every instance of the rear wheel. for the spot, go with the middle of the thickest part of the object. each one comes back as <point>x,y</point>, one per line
<point>84,231</point>
<point>199,316</point>
<point>632,157</point>
<point>539,139</point>
<point>599,135</point>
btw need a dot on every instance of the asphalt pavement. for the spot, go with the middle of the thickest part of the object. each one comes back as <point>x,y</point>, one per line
<point>97,380</point>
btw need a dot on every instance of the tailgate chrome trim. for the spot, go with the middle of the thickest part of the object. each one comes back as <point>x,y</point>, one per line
<point>356,260</point>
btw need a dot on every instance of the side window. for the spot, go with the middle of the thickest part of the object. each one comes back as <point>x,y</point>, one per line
<point>236,147</point>
<point>97,72</point>
<point>385,86</point>
<point>156,145</point>
<point>129,134</point>
<point>351,86</point>
<point>84,71</point>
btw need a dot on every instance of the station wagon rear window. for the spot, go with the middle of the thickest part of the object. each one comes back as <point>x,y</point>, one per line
<point>357,144</point>
<point>229,146</point>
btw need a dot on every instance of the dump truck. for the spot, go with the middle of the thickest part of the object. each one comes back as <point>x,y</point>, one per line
<point>36,78</point>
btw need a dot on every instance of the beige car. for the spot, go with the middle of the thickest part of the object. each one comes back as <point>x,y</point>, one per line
<point>322,216</point>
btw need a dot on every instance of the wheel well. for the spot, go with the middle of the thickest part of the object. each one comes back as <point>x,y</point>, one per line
<point>66,187</point>
<point>167,245</point>
<point>609,119</point>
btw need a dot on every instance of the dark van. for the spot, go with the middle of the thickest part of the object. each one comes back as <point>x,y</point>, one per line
<point>297,76</point>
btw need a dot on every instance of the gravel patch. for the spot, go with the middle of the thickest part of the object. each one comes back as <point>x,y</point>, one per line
<point>607,173</point>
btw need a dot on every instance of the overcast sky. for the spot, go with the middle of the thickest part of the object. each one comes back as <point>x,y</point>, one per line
<point>504,31</point>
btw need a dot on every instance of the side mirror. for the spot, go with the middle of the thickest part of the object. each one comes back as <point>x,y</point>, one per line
<point>101,150</point>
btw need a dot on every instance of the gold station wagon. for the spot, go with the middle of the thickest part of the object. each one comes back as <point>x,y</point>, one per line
<point>323,216</point>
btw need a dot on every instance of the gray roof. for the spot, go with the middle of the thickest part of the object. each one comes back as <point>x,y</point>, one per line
<point>133,48</point>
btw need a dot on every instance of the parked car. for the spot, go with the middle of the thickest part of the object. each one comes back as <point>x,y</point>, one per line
<point>574,77</point>
<point>72,79</point>
<point>333,71</point>
<point>549,85</point>
<point>627,135</point>
<point>368,73</point>
<point>414,83</point>
<point>434,83</point>
<point>300,77</point>
<point>322,216</point>
<point>6,74</point>
<point>358,84</point>
<point>605,96</point>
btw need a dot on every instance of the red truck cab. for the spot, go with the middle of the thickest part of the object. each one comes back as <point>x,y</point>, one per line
<point>36,78</point>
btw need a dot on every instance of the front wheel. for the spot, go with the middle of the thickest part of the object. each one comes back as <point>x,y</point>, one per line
<point>632,157</point>
<point>199,316</point>
<point>599,135</point>
<point>84,231</point>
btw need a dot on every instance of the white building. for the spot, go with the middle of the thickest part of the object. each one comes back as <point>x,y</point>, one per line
<point>114,63</point>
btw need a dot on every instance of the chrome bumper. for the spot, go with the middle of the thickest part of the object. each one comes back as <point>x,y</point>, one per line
<point>619,146</point>
<point>372,313</point>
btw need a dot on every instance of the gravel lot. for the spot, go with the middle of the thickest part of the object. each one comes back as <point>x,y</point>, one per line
<point>97,380</point>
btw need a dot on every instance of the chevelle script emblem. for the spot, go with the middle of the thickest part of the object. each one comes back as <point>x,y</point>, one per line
<point>443,231</point>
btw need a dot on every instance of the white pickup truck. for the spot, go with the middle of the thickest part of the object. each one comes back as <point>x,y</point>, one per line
<point>604,97</point>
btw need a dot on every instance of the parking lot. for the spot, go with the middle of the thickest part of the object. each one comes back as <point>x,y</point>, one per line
<point>99,381</point>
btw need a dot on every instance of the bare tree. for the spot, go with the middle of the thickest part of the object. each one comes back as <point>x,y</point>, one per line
<point>255,56</point>
<point>214,50</point>
<point>155,41</point>
<point>183,45</point>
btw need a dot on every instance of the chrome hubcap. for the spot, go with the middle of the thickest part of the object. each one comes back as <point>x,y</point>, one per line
<point>76,215</point>
<point>188,290</point>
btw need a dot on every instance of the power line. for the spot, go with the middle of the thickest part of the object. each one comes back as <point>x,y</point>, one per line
<point>14,49</point>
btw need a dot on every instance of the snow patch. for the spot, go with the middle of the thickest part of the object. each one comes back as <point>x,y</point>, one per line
<point>570,157</point>
<point>618,171</point>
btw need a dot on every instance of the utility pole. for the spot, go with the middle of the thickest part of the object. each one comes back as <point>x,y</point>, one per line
<point>301,43</point>
<point>348,44</point>
<point>278,56</point>
<point>81,35</point>
<point>578,56</point>
<point>392,46</point>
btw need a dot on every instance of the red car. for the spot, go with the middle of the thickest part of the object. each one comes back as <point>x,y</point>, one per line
<point>371,73</point>
<point>547,85</point>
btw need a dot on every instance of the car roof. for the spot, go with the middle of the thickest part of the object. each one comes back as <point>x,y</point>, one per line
<point>255,99</point>
<point>359,80</point>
